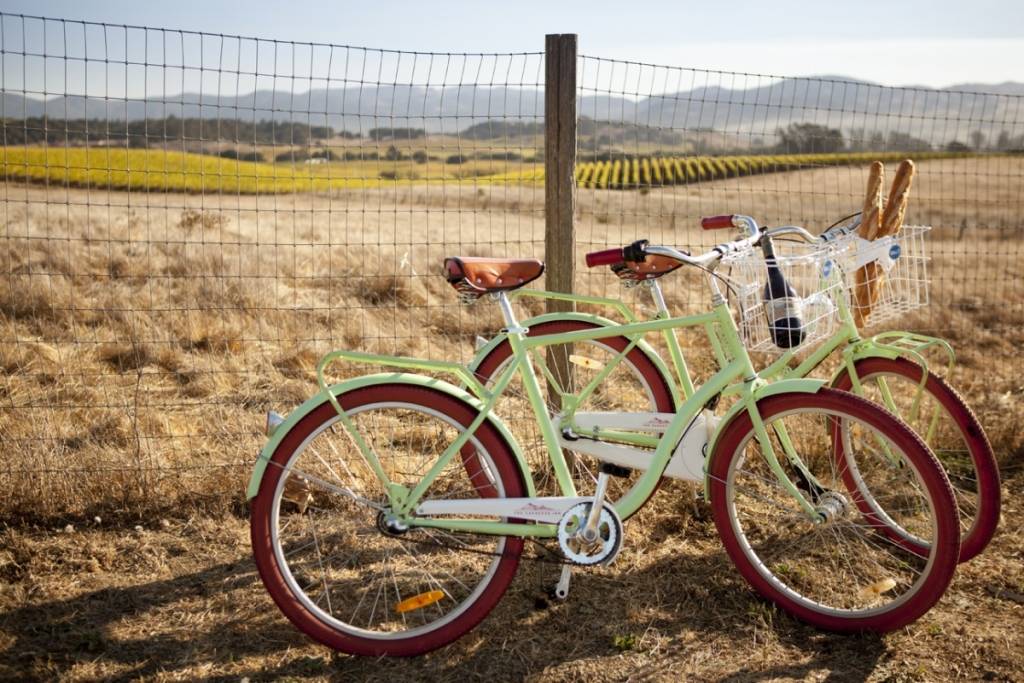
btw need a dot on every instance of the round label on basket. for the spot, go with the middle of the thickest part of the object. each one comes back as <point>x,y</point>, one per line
<point>894,252</point>
<point>826,268</point>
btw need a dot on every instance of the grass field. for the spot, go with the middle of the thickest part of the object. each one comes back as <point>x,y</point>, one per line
<point>145,336</point>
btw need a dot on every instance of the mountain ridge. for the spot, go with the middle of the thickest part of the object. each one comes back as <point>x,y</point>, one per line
<point>936,115</point>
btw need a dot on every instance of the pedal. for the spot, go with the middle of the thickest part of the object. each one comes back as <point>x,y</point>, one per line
<point>615,470</point>
<point>561,589</point>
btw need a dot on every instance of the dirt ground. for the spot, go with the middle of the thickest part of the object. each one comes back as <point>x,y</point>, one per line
<point>145,336</point>
<point>181,601</point>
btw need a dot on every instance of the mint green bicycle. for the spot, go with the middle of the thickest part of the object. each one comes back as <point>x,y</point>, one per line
<point>890,368</point>
<point>389,512</point>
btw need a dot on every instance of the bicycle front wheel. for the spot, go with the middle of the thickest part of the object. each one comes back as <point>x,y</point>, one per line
<point>949,428</point>
<point>326,552</point>
<point>834,569</point>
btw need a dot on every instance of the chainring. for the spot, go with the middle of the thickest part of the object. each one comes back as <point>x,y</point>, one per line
<point>579,551</point>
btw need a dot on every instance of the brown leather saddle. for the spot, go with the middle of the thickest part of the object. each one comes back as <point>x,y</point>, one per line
<point>650,268</point>
<point>474,276</point>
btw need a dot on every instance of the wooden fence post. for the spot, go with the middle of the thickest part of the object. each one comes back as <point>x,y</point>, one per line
<point>560,186</point>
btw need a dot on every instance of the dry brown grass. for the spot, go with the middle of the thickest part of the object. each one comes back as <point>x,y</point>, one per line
<point>142,344</point>
<point>180,600</point>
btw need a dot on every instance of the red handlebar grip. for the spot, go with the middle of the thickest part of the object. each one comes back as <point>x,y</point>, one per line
<point>716,222</point>
<point>607,257</point>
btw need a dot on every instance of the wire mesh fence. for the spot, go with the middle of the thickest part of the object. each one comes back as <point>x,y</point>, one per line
<point>191,220</point>
<point>681,143</point>
<point>661,146</point>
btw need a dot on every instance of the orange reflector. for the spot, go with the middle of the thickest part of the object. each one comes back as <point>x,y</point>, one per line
<point>878,587</point>
<point>585,362</point>
<point>419,601</point>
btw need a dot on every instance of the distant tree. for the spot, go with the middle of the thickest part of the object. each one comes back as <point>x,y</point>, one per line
<point>1003,141</point>
<point>393,154</point>
<point>456,159</point>
<point>957,146</point>
<point>904,142</point>
<point>500,156</point>
<point>420,156</point>
<point>292,156</point>
<point>379,134</point>
<point>241,156</point>
<point>141,133</point>
<point>977,140</point>
<point>501,128</point>
<point>360,155</point>
<point>809,138</point>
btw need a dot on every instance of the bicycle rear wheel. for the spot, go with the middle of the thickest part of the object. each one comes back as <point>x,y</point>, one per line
<point>949,428</point>
<point>839,572</point>
<point>322,543</point>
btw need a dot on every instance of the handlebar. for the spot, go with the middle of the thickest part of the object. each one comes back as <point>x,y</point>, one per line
<point>638,250</point>
<point>607,257</point>
<point>791,230</point>
<point>708,260</point>
<point>717,222</point>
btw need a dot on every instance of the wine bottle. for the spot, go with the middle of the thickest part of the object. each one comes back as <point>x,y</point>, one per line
<point>781,304</point>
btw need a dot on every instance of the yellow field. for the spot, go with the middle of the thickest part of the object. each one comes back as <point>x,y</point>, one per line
<point>147,170</point>
<point>139,170</point>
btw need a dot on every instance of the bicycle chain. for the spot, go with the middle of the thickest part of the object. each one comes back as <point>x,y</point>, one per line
<point>557,558</point>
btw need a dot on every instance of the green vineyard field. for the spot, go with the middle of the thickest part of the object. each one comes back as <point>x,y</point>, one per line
<point>624,174</point>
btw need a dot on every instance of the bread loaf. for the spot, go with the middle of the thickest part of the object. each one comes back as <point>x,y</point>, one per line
<point>870,225</point>
<point>892,222</point>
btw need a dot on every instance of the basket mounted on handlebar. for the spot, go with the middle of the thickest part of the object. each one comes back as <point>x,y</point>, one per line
<point>810,271</point>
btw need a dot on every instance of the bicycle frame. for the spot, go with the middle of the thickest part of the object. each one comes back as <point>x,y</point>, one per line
<point>847,337</point>
<point>735,376</point>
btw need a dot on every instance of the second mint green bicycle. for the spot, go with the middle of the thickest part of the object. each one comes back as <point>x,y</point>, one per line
<point>389,512</point>
<point>890,368</point>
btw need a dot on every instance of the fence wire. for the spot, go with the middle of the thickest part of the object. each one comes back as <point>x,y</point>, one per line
<point>681,143</point>
<point>661,146</point>
<point>191,220</point>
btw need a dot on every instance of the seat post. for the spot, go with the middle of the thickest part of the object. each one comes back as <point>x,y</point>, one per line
<point>511,323</point>
<point>659,298</point>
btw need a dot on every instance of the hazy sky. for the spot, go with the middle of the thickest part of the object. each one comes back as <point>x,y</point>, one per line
<point>934,43</point>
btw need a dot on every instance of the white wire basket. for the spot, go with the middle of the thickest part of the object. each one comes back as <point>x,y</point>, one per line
<point>810,271</point>
<point>888,277</point>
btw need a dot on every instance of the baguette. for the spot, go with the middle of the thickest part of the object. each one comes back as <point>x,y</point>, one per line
<point>870,225</point>
<point>899,195</point>
<point>892,222</point>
